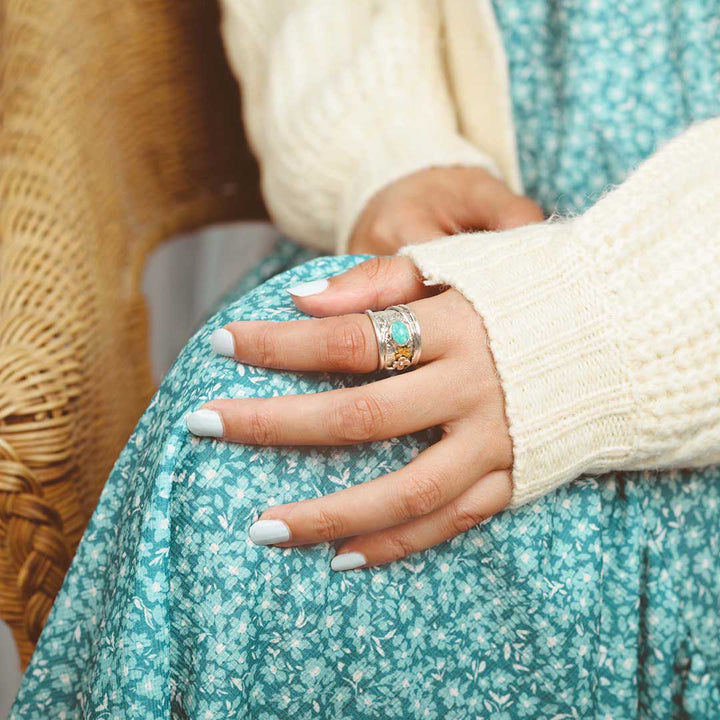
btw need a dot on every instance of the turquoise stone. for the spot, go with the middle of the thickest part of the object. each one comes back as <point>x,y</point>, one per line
<point>400,333</point>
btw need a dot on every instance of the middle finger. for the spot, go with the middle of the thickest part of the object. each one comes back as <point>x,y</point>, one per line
<point>379,410</point>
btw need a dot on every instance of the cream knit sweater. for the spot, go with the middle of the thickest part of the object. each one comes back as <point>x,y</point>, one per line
<point>605,328</point>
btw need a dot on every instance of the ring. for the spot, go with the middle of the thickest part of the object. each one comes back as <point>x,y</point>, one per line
<point>398,336</point>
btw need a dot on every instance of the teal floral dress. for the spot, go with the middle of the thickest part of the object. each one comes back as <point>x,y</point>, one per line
<point>601,600</point>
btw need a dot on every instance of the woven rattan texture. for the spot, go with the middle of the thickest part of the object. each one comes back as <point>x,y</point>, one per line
<point>119,126</point>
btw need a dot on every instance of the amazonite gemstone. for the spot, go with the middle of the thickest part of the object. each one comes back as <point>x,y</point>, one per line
<point>400,333</point>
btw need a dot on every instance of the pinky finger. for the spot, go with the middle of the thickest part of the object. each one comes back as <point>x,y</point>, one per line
<point>485,498</point>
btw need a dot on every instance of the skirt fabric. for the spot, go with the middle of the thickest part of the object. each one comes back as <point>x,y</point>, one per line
<point>601,600</point>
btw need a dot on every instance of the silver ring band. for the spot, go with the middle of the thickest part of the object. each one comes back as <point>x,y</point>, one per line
<point>398,336</point>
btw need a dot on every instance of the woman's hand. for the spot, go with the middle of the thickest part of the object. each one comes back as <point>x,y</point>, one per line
<point>450,487</point>
<point>438,201</point>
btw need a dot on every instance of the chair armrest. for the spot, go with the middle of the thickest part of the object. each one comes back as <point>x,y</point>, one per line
<point>41,516</point>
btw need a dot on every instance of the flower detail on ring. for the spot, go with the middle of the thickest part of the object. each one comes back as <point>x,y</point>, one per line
<point>398,335</point>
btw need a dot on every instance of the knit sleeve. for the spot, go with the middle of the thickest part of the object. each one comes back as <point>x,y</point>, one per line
<point>341,97</point>
<point>605,328</point>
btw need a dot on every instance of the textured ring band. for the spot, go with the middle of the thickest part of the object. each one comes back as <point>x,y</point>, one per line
<point>398,336</point>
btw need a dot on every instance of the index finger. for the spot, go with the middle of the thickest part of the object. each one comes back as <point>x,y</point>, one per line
<point>373,284</point>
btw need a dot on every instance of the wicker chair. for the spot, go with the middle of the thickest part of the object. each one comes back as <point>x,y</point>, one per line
<point>119,126</point>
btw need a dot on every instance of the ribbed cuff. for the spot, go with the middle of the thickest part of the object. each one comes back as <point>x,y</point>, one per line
<point>392,156</point>
<point>554,337</point>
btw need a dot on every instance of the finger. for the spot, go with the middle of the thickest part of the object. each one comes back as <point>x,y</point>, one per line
<point>432,479</point>
<point>505,212</point>
<point>517,211</point>
<point>389,238</point>
<point>491,205</point>
<point>479,502</point>
<point>337,344</point>
<point>373,284</point>
<point>384,409</point>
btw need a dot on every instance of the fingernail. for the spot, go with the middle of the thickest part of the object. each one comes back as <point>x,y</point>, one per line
<point>314,287</point>
<point>205,423</point>
<point>268,532</point>
<point>348,561</point>
<point>223,343</point>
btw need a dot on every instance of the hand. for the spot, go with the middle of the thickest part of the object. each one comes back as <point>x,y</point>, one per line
<point>450,487</point>
<point>438,201</point>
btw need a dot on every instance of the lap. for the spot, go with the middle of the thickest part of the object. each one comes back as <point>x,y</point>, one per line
<point>170,608</point>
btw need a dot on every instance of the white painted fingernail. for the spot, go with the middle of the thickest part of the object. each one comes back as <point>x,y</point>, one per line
<point>267,532</point>
<point>205,423</point>
<point>314,287</point>
<point>348,561</point>
<point>222,342</point>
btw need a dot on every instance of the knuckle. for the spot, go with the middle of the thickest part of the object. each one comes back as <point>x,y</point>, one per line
<point>360,420</point>
<point>262,430</point>
<point>398,546</point>
<point>326,525</point>
<point>421,495</point>
<point>266,346</point>
<point>463,518</point>
<point>346,347</point>
<point>376,268</point>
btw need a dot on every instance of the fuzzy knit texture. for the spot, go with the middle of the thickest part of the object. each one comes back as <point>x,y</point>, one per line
<point>605,329</point>
<point>340,98</point>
